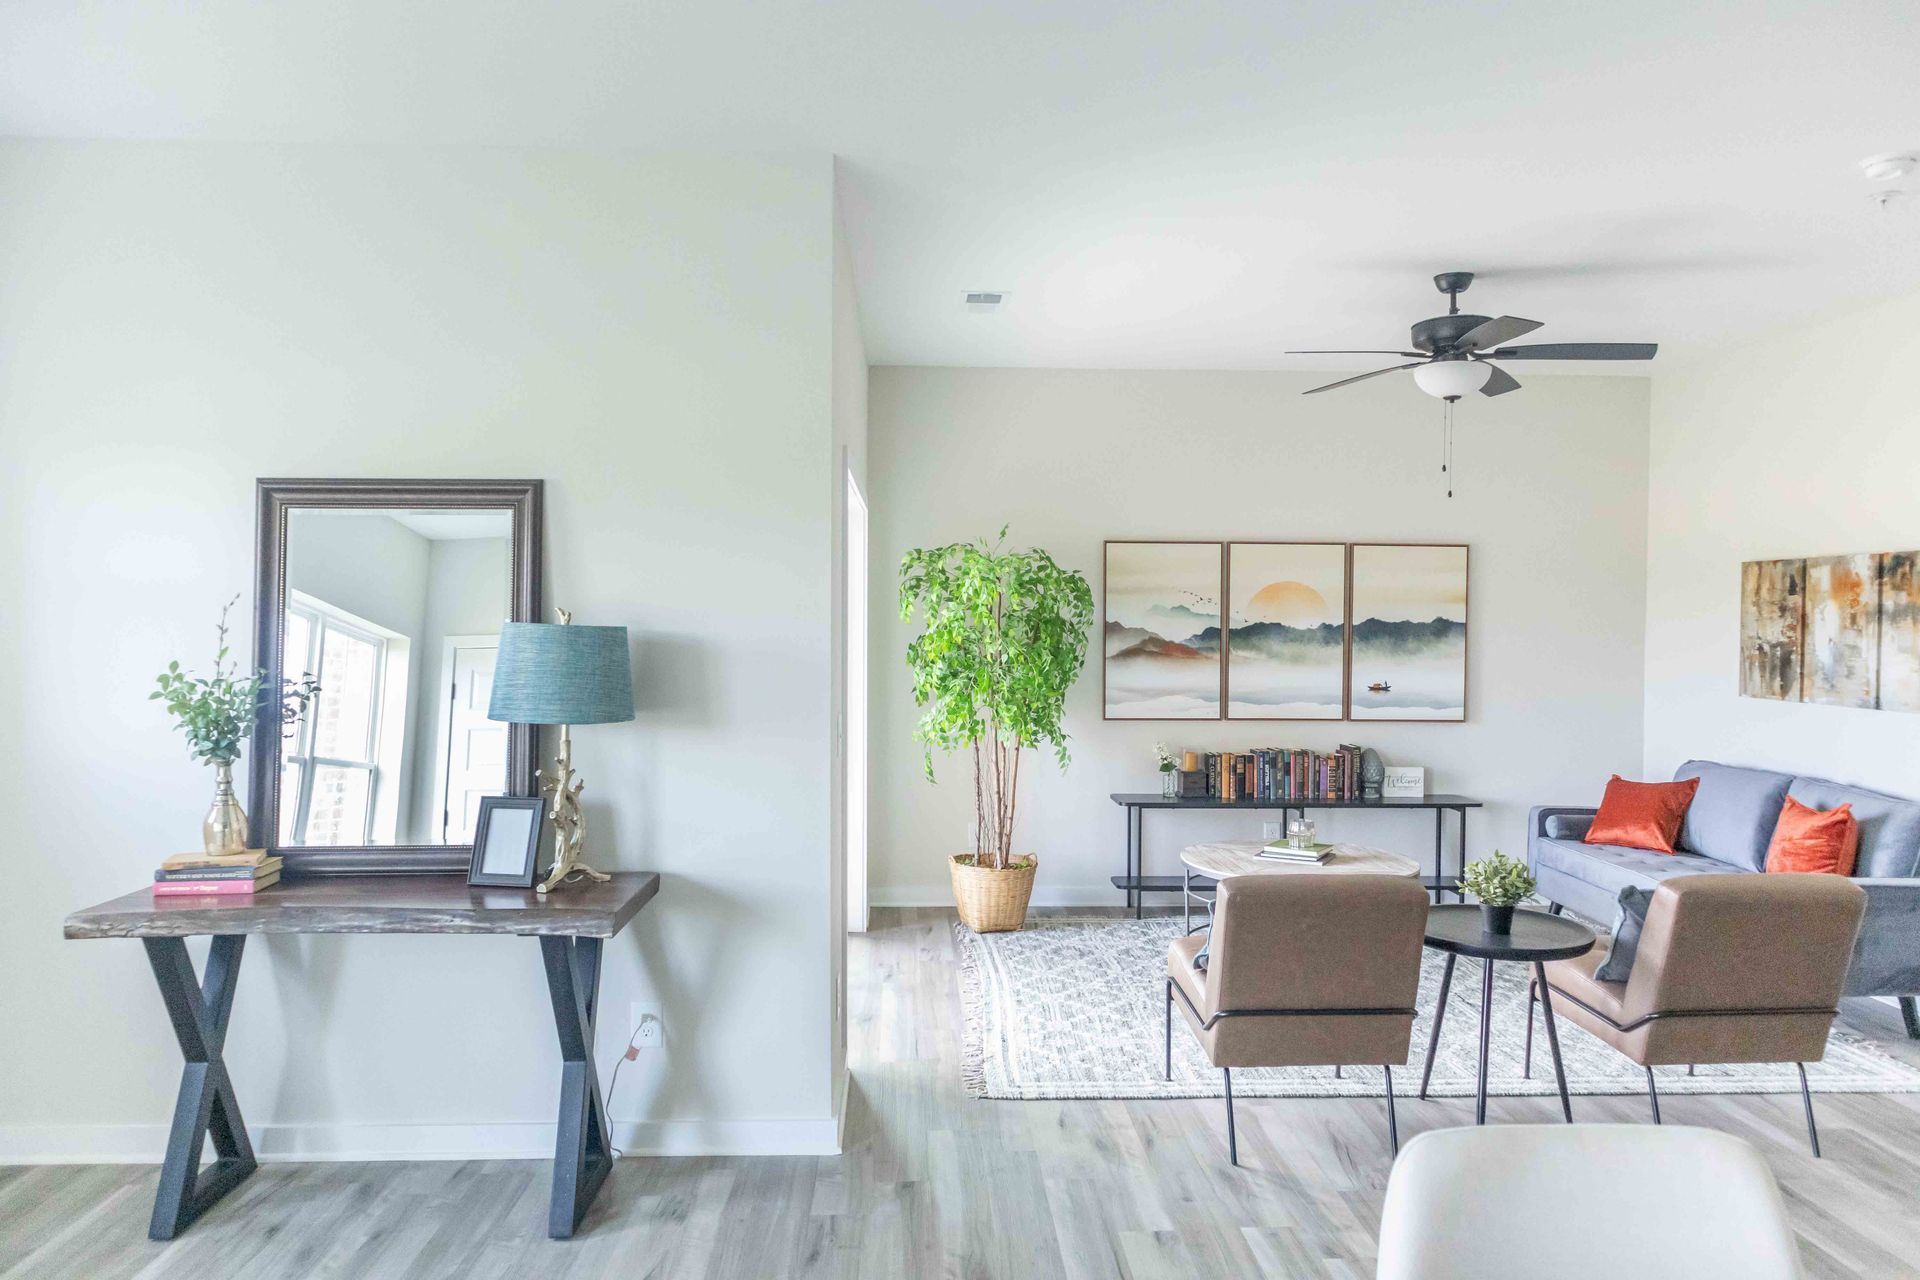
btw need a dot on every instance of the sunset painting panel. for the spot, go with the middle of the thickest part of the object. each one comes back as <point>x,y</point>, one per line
<point>1409,636</point>
<point>1842,663</point>
<point>1772,610</point>
<point>1286,631</point>
<point>1162,635</point>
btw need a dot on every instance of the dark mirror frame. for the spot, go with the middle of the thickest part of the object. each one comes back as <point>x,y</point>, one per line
<point>273,499</point>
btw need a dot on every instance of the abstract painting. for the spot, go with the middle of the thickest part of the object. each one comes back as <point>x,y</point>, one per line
<point>1162,641</point>
<point>1772,608</point>
<point>1899,632</point>
<point>1409,632</point>
<point>1286,630</point>
<point>1841,665</point>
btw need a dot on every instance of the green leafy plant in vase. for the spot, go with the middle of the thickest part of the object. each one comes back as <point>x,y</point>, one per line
<point>217,713</point>
<point>1501,884</point>
<point>1004,638</point>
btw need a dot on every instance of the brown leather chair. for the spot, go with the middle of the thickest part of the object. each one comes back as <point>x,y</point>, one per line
<point>1303,970</point>
<point>1730,968</point>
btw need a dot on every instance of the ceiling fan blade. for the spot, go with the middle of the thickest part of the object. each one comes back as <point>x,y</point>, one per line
<point>1579,351</point>
<point>1362,377</point>
<point>1420,354</point>
<point>1500,383</point>
<point>1497,330</point>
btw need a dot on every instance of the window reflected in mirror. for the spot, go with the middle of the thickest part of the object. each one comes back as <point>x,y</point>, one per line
<point>397,613</point>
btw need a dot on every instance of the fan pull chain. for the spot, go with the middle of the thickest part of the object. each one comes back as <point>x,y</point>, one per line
<point>1446,445</point>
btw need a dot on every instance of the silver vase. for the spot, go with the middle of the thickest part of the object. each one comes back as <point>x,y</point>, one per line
<point>225,830</point>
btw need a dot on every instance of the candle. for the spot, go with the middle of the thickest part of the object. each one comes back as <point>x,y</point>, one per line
<point>1190,762</point>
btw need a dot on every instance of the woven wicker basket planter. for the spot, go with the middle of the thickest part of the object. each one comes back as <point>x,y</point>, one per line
<point>992,901</point>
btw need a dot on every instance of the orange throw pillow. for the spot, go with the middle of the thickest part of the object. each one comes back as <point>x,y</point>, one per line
<point>1814,839</point>
<point>1642,815</point>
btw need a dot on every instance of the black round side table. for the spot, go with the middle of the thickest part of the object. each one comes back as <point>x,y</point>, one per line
<point>1536,938</point>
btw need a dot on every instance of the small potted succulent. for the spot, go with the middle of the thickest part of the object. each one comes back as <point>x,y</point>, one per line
<point>1501,884</point>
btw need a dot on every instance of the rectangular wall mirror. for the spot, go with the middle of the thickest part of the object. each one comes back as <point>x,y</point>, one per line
<point>391,595</point>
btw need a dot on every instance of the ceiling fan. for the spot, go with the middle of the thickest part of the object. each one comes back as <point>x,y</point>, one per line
<point>1453,352</point>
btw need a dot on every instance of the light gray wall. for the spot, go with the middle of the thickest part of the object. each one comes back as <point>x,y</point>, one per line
<point>1551,496</point>
<point>1805,444</point>
<point>652,336</point>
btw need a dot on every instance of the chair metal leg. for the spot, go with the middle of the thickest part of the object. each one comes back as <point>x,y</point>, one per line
<point>1336,1074</point>
<point>1806,1099</point>
<point>1553,1036</point>
<point>1689,1068</point>
<point>1233,1145</point>
<point>1526,1061</point>
<point>1393,1124</point>
<point>1439,1015</point>
<point>1169,1028</point>
<point>1653,1095</point>
<point>1910,1014</point>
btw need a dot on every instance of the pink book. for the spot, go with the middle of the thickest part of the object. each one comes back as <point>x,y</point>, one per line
<point>198,888</point>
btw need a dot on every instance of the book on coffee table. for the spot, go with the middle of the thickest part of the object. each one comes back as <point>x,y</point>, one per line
<point>1281,851</point>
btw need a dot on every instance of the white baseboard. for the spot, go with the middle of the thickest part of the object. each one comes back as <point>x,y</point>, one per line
<point>144,1143</point>
<point>941,895</point>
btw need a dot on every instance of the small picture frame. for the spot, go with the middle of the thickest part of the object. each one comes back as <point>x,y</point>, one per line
<point>506,841</point>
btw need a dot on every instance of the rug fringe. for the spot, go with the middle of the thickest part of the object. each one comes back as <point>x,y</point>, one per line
<point>973,1053</point>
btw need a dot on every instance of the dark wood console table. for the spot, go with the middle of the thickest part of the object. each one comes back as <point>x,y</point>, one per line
<point>571,924</point>
<point>1137,885</point>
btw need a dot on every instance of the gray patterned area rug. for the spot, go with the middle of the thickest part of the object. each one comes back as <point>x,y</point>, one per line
<point>1072,1007</point>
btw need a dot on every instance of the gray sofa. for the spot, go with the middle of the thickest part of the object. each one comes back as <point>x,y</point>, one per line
<point>1727,829</point>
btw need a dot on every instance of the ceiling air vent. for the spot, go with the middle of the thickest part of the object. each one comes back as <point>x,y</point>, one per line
<point>980,298</point>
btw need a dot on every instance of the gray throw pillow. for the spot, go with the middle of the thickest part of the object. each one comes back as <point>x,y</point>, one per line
<point>1629,916</point>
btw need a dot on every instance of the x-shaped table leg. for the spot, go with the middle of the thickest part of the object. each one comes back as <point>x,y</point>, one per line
<point>582,1148</point>
<point>206,1105</point>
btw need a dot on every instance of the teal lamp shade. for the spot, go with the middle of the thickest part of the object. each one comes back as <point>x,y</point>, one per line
<point>550,673</point>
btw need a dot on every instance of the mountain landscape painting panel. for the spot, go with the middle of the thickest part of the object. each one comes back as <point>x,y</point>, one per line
<point>1162,630</point>
<point>1286,630</point>
<point>1409,632</point>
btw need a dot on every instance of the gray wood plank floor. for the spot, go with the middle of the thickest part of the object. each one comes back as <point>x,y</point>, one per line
<point>938,1185</point>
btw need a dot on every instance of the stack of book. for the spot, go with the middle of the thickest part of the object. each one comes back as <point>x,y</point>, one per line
<point>222,873</point>
<point>1281,851</point>
<point>1277,773</point>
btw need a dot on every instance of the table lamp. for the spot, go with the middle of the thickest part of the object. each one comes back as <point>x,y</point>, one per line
<point>557,673</point>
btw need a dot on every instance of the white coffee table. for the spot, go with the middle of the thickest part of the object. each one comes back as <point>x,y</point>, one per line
<point>1219,859</point>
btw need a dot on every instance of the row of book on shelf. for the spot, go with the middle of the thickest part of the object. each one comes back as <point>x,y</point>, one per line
<point>191,874</point>
<point>1274,773</point>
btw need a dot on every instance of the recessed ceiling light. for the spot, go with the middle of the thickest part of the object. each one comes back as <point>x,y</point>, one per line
<point>982,298</point>
<point>1891,167</point>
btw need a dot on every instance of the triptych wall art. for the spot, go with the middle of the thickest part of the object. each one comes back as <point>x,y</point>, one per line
<point>1838,630</point>
<point>1285,631</point>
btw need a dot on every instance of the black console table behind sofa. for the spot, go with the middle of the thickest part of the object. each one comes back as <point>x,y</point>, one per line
<point>1137,886</point>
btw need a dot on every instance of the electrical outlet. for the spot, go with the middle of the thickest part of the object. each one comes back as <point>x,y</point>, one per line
<point>1271,830</point>
<point>648,1031</point>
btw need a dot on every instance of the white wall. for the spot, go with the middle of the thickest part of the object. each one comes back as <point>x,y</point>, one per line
<point>849,454</point>
<point>1551,497</point>
<point>653,336</point>
<point>1805,444</point>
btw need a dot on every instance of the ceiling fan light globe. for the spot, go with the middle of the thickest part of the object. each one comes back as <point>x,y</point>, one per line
<point>1451,379</point>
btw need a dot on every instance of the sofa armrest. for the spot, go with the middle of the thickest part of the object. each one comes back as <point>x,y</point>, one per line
<point>1886,957</point>
<point>1561,821</point>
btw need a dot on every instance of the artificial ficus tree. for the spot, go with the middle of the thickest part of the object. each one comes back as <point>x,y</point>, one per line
<point>1005,638</point>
